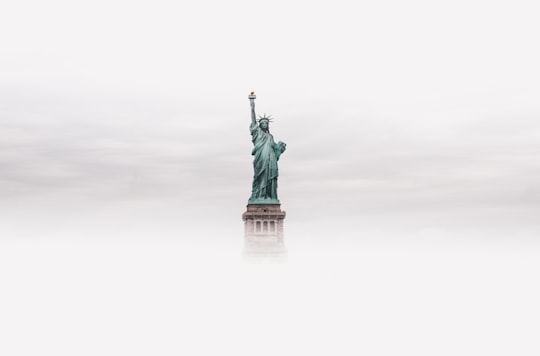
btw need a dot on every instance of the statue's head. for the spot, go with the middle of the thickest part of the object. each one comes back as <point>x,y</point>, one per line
<point>264,122</point>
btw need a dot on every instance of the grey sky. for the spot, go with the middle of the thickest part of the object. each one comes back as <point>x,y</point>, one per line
<point>390,109</point>
<point>410,178</point>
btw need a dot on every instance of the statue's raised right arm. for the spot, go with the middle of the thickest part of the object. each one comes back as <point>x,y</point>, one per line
<point>252,102</point>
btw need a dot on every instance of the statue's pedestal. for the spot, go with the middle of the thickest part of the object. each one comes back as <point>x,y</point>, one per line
<point>264,220</point>
<point>263,232</point>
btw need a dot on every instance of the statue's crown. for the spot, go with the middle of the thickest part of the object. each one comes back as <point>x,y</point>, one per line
<point>265,118</point>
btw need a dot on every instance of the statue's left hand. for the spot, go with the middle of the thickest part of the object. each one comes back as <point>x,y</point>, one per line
<point>282,146</point>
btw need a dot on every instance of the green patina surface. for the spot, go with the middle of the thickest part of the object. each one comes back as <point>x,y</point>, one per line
<point>263,201</point>
<point>266,154</point>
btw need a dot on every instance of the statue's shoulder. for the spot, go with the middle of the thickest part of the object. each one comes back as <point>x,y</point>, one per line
<point>253,127</point>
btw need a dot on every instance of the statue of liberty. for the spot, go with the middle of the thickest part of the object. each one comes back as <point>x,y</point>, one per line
<point>266,154</point>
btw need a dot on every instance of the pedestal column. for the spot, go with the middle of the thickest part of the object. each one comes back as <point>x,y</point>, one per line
<point>261,242</point>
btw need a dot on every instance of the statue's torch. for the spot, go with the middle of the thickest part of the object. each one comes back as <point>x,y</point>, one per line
<point>252,98</point>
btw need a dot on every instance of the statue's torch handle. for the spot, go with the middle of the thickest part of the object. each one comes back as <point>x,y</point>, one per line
<point>252,98</point>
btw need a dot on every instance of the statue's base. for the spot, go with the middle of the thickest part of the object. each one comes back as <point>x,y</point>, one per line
<point>263,233</point>
<point>262,201</point>
<point>264,220</point>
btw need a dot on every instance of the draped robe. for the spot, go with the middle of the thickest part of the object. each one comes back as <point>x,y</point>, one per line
<point>266,154</point>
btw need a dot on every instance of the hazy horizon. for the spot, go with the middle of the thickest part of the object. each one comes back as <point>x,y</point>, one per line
<point>410,179</point>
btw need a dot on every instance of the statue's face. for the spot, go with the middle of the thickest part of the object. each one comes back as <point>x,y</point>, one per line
<point>263,125</point>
